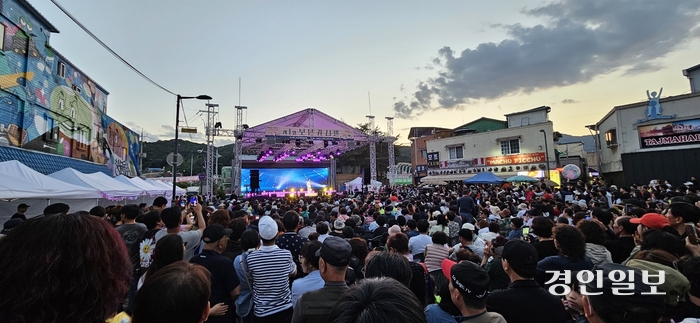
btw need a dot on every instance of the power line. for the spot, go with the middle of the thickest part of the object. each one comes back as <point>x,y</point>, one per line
<point>109,49</point>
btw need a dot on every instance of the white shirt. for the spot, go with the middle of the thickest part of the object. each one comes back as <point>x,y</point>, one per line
<point>191,239</point>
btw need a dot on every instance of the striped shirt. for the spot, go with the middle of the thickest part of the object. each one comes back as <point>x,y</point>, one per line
<point>434,255</point>
<point>270,268</point>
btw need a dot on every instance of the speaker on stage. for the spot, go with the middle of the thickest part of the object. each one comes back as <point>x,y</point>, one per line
<point>254,179</point>
<point>366,176</point>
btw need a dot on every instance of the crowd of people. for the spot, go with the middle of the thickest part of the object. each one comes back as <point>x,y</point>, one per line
<point>584,252</point>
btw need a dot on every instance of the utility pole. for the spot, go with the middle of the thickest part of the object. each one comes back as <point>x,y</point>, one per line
<point>209,164</point>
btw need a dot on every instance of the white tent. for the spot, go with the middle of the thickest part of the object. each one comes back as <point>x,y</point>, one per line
<point>107,186</point>
<point>357,184</point>
<point>149,188</point>
<point>18,181</point>
<point>168,186</point>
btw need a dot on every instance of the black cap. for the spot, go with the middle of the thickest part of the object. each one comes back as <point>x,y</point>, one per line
<point>215,232</point>
<point>335,251</point>
<point>522,257</point>
<point>23,205</point>
<point>10,224</point>
<point>467,277</point>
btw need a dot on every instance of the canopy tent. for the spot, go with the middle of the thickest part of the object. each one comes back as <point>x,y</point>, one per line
<point>521,178</point>
<point>484,178</point>
<point>357,184</point>
<point>168,186</point>
<point>18,181</point>
<point>108,187</point>
<point>149,188</point>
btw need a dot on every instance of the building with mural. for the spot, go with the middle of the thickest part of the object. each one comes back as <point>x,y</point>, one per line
<point>49,109</point>
<point>654,139</point>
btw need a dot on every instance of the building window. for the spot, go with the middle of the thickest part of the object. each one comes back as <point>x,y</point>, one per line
<point>510,147</point>
<point>423,154</point>
<point>61,70</point>
<point>2,37</point>
<point>456,152</point>
<point>611,137</point>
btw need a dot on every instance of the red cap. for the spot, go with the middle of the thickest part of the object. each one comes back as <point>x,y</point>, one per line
<point>652,220</point>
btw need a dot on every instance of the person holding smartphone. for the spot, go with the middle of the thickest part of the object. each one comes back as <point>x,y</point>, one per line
<point>172,218</point>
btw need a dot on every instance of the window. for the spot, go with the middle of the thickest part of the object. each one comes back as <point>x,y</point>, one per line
<point>2,37</point>
<point>423,154</point>
<point>50,130</point>
<point>61,69</point>
<point>611,137</point>
<point>456,152</point>
<point>510,147</point>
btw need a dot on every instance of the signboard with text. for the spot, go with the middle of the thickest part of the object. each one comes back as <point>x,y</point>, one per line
<point>422,168</point>
<point>674,133</point>
<point>433,159</point>
<point>306,132</point>
<point>516,159</point>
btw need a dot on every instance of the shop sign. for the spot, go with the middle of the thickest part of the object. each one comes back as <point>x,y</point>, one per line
<point>675,133</point>
<point>433,159</point>
<point>516,159</point>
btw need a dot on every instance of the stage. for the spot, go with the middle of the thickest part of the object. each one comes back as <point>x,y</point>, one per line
<point>289,194</point>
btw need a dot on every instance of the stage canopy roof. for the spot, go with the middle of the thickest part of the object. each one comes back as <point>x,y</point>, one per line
<point>308,131</point>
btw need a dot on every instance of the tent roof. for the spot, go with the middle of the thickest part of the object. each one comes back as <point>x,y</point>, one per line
<point>19,181</point>
<point>257,138</point>
<point>178,190</point>
<point>485,178</point>
<point>108,188</point>
<point>149,188</point>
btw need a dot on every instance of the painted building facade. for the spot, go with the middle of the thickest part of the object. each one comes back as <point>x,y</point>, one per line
<point>47,104</point>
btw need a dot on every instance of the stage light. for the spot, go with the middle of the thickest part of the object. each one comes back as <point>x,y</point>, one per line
<point>291,189</point>
<point>294,152</point>
<point>337,152</point>
<point>332,157</point>
<point>270,151</point>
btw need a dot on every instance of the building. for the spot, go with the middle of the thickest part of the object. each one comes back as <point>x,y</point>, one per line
<point>523,144</point>
<point>654,139</point>
<point>419,158</point>
<point>52,115</point>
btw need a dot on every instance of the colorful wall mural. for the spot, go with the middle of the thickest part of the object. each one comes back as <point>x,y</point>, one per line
<point>48,105</point>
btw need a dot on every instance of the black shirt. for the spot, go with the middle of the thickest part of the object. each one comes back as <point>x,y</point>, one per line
<point>545,249</point>
<point>19,216</point>
<point>526,302</point>
<point>223,280</point>
<point>620,249</point>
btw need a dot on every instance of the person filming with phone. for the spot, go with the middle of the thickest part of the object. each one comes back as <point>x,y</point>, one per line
<point>172,218</point>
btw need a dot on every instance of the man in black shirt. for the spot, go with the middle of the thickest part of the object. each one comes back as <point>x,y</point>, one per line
<point>524,301</point>
<point>466,207</point>
<point>21,209</point>
<point>621,247</point>
<point>225,286</point>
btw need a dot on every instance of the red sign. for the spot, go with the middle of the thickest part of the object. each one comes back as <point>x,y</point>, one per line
<point>516,159</point>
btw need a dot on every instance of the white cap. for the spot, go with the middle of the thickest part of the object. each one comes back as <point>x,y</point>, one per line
<point>468,226</point>
<point>267,227</point>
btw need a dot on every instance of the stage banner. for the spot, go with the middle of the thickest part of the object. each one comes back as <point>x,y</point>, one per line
<point>675,133</point>
<point>433,159</point>
<point>303,133</point>
<point>516,159</point>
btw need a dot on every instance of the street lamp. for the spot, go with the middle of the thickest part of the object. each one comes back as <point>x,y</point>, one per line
<point>546,151</point>
<point>177,125</point>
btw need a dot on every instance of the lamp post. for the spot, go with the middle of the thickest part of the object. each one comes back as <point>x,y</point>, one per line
<point>546,151</point>
<point>177,125</point>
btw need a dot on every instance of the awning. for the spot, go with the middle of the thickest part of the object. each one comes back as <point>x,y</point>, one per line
<point>445,178</point>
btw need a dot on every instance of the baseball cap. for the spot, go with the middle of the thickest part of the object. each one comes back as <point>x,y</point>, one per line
<point>10,224</point>
<point>215,232</point>
<point>522,206</point>
<point>468,226</point>
<point>23,205</point>
<point>335,251</point>
<point>267,227</point>
<point>652,220</point>
<point>522,257</point>
<point>467,277</point>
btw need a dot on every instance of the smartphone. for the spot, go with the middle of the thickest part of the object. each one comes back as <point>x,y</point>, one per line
<point>526,231</point>
<point>193,200</point>
<point>628,208</point>
<point>182,204</point>
<point>691,232</point>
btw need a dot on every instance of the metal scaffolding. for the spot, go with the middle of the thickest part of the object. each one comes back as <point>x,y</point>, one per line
<point>389,138</point>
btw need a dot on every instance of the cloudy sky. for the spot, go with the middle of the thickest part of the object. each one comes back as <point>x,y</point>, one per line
<point>428,63</point>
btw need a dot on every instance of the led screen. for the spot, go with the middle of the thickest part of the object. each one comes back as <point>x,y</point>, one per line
<point>277,179</point>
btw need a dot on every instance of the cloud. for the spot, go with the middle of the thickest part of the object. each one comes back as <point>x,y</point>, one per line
<point>575,42</point>
<point>568,101</point>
